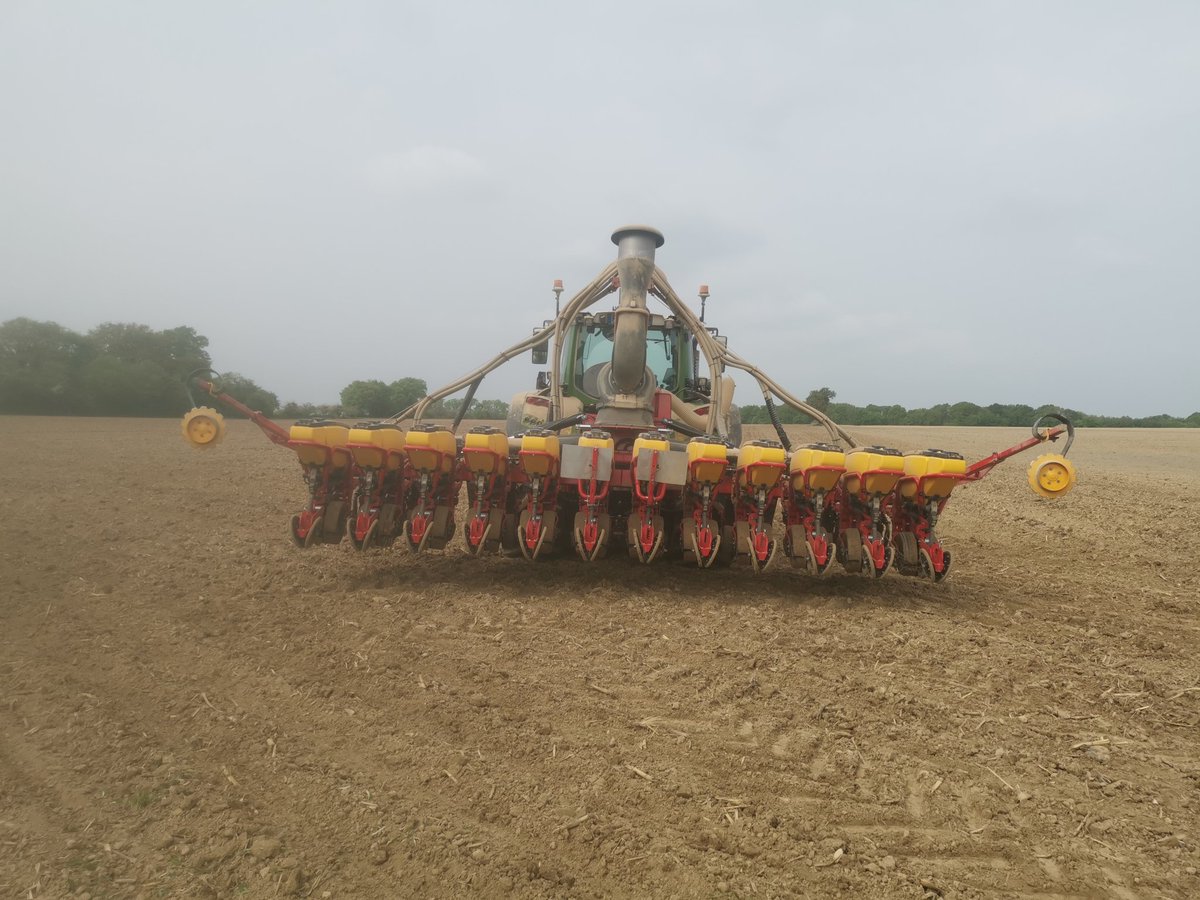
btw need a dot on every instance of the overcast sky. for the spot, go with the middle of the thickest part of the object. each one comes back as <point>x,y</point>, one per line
<point>908,202</point>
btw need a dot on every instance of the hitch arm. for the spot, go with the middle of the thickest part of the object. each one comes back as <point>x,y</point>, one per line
<point>977,470</point>
<point>275,432</point>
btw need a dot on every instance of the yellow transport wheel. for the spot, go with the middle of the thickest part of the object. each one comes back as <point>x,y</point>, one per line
<point>203,427</point>
<point>1051,475</point>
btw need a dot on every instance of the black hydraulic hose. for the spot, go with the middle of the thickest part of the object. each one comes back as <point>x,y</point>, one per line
<point>462,410</point>
<point>565,423</point>
<point>1057,417</point>
<point>189,381</point>
<point>680,427</point>
<point>774,414</point>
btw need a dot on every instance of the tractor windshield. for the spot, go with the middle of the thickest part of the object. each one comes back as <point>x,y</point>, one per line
<point>596,349</point>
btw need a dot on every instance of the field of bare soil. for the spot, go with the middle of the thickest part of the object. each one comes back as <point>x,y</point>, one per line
<point>191,706</point>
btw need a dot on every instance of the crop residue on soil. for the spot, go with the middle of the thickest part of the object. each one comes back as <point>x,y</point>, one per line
<point>193,707</point>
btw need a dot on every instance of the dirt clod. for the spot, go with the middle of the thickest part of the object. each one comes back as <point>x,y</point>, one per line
<point>264,847</point>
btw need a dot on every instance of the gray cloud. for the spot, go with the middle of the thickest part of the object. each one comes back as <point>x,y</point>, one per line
<point>911,203</point>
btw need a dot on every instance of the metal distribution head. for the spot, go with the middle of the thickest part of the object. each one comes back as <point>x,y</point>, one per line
<point>626,385</point>
<point>635,240</point>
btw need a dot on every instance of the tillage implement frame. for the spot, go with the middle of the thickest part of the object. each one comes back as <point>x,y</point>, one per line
<point>624,444</point>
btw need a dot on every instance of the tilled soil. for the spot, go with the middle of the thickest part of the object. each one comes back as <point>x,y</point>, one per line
<point>193,707</point>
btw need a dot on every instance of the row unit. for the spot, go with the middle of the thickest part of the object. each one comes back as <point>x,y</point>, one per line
<point>703,460</point>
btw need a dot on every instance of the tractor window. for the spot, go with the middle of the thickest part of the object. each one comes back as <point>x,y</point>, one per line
<point>595,348</point>
<point>659,357</point>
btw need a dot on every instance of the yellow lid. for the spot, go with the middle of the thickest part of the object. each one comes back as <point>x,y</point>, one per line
<point>811,455</point>
<point>761,463</point>
<point>596,438</point>
<point>650,440</point>
<point>934,462</point>
<point>870,459</point>
<point>706,448</point>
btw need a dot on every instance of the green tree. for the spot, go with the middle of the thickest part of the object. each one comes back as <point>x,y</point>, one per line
<point>144,370</point>
<point>294,410</point>
<point>367,398</point>
<point>246,390</point>
<point>41,367</point>
<point>489,409</point>
<point>177,351</point>
<point>118,387</point>
<point>184,350</point>
<point>820,398</point>
<point>406,392</point>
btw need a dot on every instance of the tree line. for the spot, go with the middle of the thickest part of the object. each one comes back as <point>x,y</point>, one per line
<point>1006,414</point>
<point>127,369</point>
<point>375,399</point>
<point>116,369</point>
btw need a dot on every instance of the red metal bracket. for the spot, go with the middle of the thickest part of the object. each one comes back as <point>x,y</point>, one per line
<point>977,470</point>
<point>276,432</point>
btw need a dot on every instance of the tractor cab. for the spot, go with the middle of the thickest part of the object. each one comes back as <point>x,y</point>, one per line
<point>671,356</point>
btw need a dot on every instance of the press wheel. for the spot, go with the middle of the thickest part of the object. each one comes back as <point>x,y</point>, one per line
<point>1051,475</point>
<point>314,533</point>
<point>889,557</point>
<point>368,538</point>
<point>203,427</point>
<point>927,566</point>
